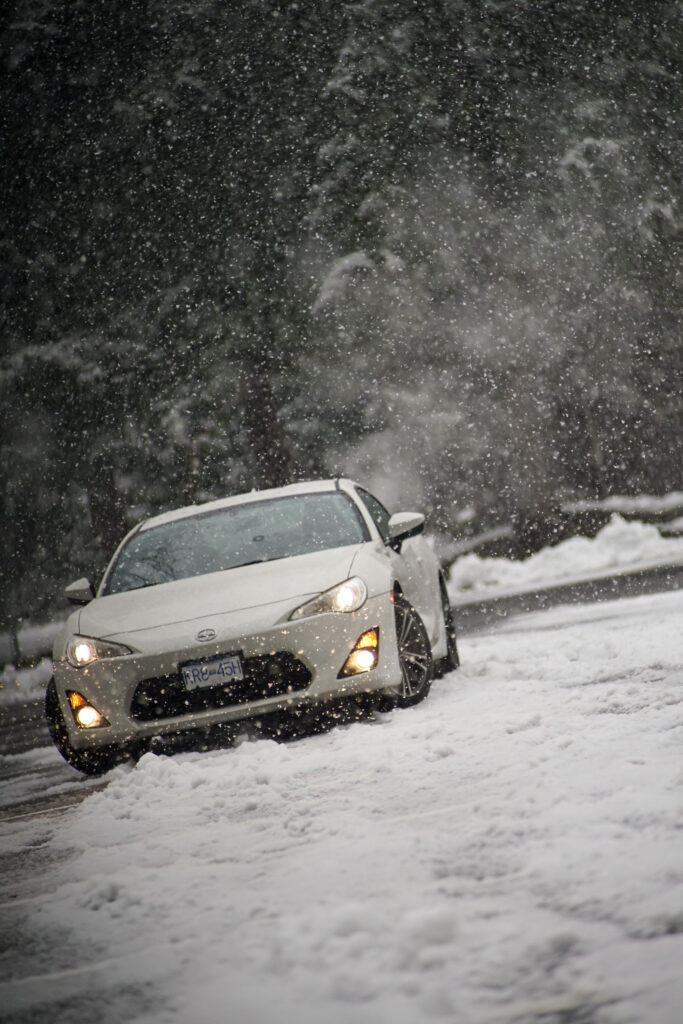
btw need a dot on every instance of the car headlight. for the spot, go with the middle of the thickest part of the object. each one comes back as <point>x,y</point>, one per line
<point>345,597</point>
<point>83,650</point>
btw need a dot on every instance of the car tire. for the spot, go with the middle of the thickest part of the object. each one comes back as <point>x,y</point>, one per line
<point>86,761</point>
<point>414,658</point>
<point>452,659</point>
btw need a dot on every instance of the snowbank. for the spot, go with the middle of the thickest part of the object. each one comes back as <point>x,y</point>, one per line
<point>17,686</point>
<point>618,547</point>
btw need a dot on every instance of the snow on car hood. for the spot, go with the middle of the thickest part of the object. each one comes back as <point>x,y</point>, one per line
<point>219,593</point>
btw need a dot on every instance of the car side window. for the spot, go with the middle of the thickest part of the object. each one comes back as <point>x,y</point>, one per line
<point>377,511</point>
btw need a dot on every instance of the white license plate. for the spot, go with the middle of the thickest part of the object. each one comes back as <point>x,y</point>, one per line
<point>198,674</point>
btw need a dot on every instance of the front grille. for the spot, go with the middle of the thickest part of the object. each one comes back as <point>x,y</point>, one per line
<point>268,675</point>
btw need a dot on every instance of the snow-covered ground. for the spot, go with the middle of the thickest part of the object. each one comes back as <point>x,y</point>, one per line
<point>511,850</point>
<point>620,546</point>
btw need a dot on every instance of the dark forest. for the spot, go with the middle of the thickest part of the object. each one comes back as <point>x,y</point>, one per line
<point>433,245</point>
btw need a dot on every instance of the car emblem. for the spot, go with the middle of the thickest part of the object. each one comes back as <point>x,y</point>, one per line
<point>206,634</point>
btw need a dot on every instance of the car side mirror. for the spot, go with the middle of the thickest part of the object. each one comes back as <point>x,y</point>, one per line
<point>80,592</point>
<point>403,525</point>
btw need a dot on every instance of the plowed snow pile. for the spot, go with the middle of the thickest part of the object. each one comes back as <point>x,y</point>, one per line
<point>618,547</point>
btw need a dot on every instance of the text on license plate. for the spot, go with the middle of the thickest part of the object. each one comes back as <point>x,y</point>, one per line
<point>227,669</point>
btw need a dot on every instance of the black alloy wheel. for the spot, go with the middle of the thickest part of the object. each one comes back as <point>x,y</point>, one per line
<point>414,656</point>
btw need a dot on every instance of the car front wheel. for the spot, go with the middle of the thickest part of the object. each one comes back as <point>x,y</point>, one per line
<point>414,657</point>
<point>86,761</point>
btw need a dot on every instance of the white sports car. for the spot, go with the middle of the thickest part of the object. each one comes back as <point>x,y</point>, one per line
<point>265,602</point>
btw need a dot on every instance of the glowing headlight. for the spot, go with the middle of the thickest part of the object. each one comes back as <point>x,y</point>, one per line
<point>85,715</point>
<point>348,596</point>
<point>82,650</point>
<point>364,656</point>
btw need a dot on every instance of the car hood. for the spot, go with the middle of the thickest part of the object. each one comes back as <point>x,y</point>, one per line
<point>287,581</point>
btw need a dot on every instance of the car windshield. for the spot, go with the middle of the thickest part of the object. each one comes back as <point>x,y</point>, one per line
<point>226,538</point>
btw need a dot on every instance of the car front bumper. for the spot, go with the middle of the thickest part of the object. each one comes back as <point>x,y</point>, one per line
<point>321,644</point>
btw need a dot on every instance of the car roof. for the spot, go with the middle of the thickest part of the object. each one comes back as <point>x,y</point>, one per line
<point>303,487</point>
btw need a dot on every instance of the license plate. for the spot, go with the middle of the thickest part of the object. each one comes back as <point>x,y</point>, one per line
<point>216,671</point>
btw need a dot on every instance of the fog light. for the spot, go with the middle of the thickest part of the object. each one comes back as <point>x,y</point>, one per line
<point>364,656</point>
<point>360,661</point>
<point>85,715</point>
<point>88,717</point>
